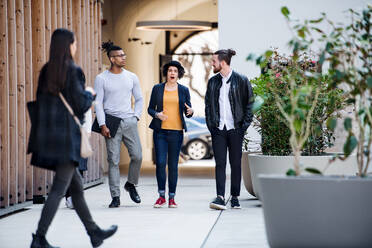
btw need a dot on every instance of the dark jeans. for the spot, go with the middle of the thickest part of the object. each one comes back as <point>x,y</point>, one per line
<point>167,143</point>
<point>66,176</point>
<point>221,141</point>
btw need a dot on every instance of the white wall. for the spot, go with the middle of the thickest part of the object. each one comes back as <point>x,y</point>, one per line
<point>252,26</point>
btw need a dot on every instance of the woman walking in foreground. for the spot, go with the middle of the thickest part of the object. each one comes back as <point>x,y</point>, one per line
<point>55,137</point>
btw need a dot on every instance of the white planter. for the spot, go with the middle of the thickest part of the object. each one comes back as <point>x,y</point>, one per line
<point>246,172</point>
<point>316,211</point>
<point>262,164</point>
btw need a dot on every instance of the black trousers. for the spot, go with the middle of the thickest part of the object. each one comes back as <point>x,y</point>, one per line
<point>231,140</point>
<point>68,192</point>
<point>66,176</point>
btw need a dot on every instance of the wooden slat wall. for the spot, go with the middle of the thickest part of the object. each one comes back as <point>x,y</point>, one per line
<point>88,70</point>
<point>69,15</point>
<point>21,103</point>
<point>94,48</point>
<point>99,30</point>
<point>64,13</point>
<point>4,106</point>
<point>59,13</point>
<point>29,90</point>
<point>26,27</point>
<point>39,49</point>
<point>12,56</point>
<point>76,25</point>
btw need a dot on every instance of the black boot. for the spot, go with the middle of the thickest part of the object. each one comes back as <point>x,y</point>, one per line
<point>40,242</point>
<point>115,203</point>
<point>132,192</point>
<point>98,235</point>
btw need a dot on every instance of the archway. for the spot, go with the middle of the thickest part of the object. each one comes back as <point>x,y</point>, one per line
<point>194,53</point>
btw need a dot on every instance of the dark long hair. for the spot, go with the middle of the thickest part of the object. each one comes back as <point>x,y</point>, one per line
<point>59,60</point>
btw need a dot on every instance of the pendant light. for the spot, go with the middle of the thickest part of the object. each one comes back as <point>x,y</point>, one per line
<point>174,25</point>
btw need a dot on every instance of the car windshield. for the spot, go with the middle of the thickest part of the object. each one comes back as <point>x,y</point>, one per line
<point>196,123</point>
<point>193,126</point>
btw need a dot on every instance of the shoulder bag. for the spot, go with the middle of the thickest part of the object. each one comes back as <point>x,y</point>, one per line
<point>85,147</point>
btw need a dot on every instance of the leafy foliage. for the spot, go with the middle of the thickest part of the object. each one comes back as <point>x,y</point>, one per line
<point>274,132</point>
<point>303,92</point>
<point>297,94</point>
<point>347,49</point>
<point>272,125</point>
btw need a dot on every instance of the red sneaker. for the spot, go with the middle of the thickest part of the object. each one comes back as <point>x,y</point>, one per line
<point>172,203</point>
<point>160,202</point>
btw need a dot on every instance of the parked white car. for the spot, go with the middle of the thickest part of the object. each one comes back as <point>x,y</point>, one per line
<point>197,142</point>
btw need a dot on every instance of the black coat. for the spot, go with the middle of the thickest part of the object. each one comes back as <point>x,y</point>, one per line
<point>55,137</point>
<point>240,96</point>
<point>156,104</point>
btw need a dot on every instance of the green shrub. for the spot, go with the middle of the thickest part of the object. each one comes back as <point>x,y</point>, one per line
<point>308,97</point>
<point>273,128</point>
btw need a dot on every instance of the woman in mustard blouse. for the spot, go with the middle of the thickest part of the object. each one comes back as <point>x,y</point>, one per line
<point>168,103</point>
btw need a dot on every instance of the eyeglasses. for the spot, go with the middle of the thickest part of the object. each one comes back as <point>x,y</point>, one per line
<point>120,55</point>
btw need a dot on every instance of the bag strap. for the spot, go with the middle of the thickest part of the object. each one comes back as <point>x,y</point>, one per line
<point>69,109</point>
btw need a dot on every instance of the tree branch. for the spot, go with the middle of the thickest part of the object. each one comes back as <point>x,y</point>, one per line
<point>308,117</point>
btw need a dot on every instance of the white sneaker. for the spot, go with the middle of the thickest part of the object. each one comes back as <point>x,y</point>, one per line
<point>69,203</point>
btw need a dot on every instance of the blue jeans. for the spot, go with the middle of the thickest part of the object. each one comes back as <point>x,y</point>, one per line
<point>167,143</point>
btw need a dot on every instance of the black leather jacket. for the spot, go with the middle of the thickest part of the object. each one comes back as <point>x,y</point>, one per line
<point>240,96</point>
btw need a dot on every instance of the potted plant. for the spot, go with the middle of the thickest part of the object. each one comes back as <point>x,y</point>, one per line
<point>323,211</point>
<point>278,147</point>
<point>251,145</point>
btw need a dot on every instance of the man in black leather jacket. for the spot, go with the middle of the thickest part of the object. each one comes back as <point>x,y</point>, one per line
<point>228,111</point>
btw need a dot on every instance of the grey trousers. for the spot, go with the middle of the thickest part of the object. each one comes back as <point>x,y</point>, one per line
<point>66,176</point>
<point>128,134</point>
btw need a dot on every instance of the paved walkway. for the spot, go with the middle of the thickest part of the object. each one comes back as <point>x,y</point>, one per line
<point>193,224</point>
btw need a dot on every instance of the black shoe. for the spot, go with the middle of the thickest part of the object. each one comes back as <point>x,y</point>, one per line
<point>132,192</point>
<point>218,204</point>
<point>115,202</point>
<point>98,235</point>
<point>40,242</point>
<point>235,203</point>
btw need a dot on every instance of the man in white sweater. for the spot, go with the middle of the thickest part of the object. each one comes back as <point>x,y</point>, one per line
<point>115,88</point>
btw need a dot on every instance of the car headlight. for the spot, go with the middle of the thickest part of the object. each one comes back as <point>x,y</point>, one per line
<point>209,138</point>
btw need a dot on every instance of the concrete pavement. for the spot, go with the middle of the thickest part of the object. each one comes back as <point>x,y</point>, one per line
<point>193,224</point>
